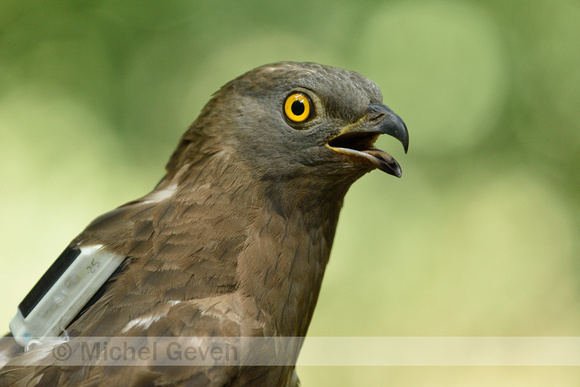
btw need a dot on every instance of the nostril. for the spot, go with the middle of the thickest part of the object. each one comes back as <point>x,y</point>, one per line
<point>375,117</point>
<point>377,112</point>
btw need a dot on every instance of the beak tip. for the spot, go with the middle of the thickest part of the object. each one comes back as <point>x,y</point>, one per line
<point>393,125</point>
<point>401,132</point>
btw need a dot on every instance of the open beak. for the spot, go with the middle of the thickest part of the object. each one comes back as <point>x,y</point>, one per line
<point>357,140</point>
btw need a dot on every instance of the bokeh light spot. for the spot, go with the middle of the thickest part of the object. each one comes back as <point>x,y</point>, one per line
<point>443,66</point>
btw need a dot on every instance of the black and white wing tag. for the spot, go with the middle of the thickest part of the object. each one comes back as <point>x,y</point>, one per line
<point>61,293</point>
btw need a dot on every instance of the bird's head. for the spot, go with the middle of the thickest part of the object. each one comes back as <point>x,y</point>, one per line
<point>293,121</point>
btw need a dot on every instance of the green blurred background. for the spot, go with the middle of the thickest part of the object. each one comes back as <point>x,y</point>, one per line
<point>479,237</point>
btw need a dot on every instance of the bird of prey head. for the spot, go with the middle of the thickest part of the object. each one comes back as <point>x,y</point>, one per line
<point>235,238</point>
<point>291,119</point>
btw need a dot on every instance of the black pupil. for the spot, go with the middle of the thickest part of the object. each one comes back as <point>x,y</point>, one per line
<point>298,108</point>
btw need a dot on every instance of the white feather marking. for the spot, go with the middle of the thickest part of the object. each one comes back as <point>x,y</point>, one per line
<point>143,322</point>
<point>3,359</point>
<point>167,192</point>
<point>219,307</point>
<point>158,196</point>
<point>40,350</point>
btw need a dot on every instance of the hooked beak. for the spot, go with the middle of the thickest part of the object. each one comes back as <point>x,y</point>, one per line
<point>357,140</point>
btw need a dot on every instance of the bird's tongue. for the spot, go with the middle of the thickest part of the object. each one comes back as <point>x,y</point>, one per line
<point>384,161</point>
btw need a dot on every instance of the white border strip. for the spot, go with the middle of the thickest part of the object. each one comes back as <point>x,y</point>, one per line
<point>316,351</point>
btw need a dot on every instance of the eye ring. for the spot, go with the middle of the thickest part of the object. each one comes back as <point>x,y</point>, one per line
<point>297,107</point>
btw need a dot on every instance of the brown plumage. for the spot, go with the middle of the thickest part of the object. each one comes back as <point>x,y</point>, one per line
<point>235,239</point>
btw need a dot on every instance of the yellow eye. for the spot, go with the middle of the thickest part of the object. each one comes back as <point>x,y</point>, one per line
<point>297,107</point>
